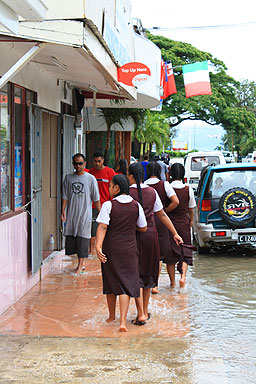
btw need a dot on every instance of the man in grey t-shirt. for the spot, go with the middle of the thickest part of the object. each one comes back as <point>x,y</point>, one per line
<point>164,168</point>
<point>79,190</point>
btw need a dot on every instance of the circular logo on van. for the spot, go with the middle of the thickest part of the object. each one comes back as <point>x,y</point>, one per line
<point>237,206</point>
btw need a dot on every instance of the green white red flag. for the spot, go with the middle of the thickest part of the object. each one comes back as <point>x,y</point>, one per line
<point>196,79</point>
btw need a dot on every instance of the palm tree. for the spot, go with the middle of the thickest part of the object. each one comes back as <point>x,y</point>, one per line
<point>120,116</point>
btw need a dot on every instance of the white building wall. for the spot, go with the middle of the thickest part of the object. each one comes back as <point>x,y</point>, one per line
<point>50,94</point>
<point>148,53</point>
<point>78,9</point>
<point>116,13</point>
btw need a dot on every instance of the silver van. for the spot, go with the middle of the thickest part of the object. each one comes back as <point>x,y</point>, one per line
<point>196,161</point>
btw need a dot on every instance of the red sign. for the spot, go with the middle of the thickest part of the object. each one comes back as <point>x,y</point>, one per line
<point>133,74</point>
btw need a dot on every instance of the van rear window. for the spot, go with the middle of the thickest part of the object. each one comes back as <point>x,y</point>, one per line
<point>199,162</point>
<point>219,182</point>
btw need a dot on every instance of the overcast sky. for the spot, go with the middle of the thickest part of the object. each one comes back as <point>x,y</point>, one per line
<point>235,46</point>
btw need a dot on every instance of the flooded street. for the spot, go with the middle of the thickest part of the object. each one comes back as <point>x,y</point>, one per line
<point>222,309</point>
<point>57,332</point>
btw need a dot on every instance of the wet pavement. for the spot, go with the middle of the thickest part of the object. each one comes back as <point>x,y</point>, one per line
<point>57,332</point>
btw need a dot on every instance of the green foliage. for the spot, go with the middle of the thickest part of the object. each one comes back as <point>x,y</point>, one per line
<point>206,108</point>
<point>119,115</point>
<point>155,129</point>
<point>246,94</point>
<point>179,153</point>
<point>239,124</point>
<point>228,105</point>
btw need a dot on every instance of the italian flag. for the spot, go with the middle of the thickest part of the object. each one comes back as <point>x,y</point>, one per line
<point>196,79</point>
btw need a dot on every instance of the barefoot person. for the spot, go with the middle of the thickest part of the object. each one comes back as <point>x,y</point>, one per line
<point>182,218</point>
<point>79,190</point>
<point>169,200</point>
<point>103,175</point>
<point>148,245</point>
<point>117,249</point>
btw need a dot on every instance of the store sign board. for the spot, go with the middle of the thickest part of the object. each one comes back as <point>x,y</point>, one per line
<point>133,74</point>
<point>179,145</point>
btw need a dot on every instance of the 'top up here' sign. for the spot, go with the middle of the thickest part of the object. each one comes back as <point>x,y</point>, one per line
<point>133,74</point>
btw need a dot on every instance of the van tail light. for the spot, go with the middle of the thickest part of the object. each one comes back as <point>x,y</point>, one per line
<point>218,234</point>
<point>185,179</point>
<point>206,205</point>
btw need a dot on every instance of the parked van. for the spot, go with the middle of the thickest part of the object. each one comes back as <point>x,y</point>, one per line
<point>196,161</point>
<point>250,158</point>
<point>229,157</point>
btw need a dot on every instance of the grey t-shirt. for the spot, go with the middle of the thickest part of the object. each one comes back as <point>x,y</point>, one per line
<point>164,169</point>
<point>80,192</point>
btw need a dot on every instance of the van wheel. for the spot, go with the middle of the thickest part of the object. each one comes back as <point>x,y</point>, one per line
<point>203,250</point>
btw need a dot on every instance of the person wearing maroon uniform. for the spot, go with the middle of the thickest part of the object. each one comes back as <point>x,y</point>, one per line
<point>148,245</point>
<point>117,249</point>
<point>123,167</point>
<point>103,175</point>
<point>182,218</point>
<point>169,200</point>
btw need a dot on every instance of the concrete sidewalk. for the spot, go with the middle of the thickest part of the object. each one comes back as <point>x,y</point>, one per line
<point>57,333</point>
<point>64,304</point>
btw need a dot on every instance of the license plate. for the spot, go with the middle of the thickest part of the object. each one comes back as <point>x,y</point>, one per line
<point>246,239</point>
<point>193,181</point>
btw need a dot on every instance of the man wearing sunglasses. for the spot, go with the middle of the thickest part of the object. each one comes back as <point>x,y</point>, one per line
<point>79,190</point>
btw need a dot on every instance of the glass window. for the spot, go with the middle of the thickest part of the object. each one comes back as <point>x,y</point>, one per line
<point>199,162</point>
<point>220,182</point>
<point>30,97</point>
<point>79,141</point>
<point>14,159</point>
<point>5,158</point>
<point>19,176</point>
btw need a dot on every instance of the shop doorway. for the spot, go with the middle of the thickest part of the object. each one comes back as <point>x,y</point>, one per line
<point>50,176</point>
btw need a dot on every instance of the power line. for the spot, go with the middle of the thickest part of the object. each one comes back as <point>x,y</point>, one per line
<point>204,27</point>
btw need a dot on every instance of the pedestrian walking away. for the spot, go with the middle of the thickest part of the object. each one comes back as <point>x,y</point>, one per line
<point>164,168</point>
<point>144,163</point>
<point>170,201</point>
<point>117,248</point>
<point>182,218</point>
<point>79,190</point>
<point>103,175</point>
<point>123,167</point>
<point>148,246</point>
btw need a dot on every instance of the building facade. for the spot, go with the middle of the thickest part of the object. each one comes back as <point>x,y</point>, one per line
<point>59,63</point>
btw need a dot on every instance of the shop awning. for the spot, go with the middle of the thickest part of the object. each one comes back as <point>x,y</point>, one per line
<point>67,58</point>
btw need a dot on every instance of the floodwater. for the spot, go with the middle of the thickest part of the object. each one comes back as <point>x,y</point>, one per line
<point>222,310</point>
<point>57,333</point>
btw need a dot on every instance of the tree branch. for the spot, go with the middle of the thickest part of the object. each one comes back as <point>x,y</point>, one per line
<point>192,119</point>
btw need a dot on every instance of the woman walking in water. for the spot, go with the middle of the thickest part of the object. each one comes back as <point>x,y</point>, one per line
<point>148,242</point>
<point>182,218</point>
<point>117,249</point>
<point>170,201</point>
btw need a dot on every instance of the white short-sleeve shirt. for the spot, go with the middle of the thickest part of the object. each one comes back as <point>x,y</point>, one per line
<point>179,185</point>
<point>167,186</point>
<point>158,204</point>
<point>104,215</point>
